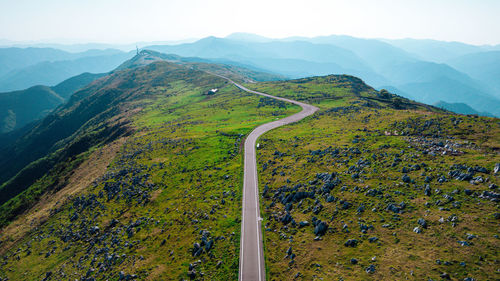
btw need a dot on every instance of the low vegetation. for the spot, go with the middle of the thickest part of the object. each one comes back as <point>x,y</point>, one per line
<point>168,205</point>
<point>372,186</point>
<point>378,188</point>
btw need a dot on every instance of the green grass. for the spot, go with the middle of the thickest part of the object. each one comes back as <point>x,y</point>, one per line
<point>400,253</point>
<point>182,165</point>
<point>187,145</point>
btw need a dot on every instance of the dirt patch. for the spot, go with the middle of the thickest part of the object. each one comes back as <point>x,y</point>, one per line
<point>155,194</point>
<point>92,168</point>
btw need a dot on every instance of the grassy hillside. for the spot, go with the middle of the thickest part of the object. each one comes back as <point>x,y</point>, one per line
<point>148,187</point>
<point>174,181</point>
<point>362,191</point>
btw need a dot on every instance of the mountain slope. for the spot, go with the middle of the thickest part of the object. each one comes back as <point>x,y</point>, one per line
<point>19,108</point>
<point>15,58</point>
<point>450,90</point>
<point>240,51</point>
<point>366,192</point>
<point>67,87</point>
<point>376,53</point>
<point>87,112</point>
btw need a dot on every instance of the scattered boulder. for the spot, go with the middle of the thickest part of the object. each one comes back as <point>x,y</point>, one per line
<point>320,228</point>
<point>303,224</point>
<point>370,269</point>
<point>351,243</point>
<point>422,222</point>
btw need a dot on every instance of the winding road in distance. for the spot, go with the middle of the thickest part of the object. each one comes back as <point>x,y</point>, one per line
<point>252,266</point>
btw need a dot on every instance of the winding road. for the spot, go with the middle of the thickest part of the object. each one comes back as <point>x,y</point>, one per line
<point>252,265</point>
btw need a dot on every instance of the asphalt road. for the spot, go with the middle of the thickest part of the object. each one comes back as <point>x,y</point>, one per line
<point>252,266</point>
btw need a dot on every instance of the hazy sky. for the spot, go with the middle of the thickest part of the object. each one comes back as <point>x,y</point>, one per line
<point>126,21</point>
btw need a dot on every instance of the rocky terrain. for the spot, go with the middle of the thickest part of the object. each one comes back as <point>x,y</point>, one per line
<point>365,192</point>
<point>148,187</point>
<point>164,201</point>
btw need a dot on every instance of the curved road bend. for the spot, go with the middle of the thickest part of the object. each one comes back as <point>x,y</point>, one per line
<point>252,266</point>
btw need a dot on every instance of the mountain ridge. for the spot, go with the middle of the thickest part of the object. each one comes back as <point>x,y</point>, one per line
<point>378,62</point>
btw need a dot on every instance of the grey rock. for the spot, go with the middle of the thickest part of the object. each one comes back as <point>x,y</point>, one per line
<point>370,269</point>
<point>351,243</point>
<point>422,222</point>
<point>320,229</point>
<point>303,223</point>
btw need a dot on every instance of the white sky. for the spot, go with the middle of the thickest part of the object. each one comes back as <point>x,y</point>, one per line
<point>126,21</point>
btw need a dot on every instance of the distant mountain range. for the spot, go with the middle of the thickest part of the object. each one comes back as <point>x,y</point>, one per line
<point>23,68</point>
<point>428,71</point>
<point>424,70</point>
<point>459,107</point>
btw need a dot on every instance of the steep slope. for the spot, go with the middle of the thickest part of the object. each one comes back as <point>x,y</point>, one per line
<point>67,87</point>
<point>83,120</point>
<point>21,107</point>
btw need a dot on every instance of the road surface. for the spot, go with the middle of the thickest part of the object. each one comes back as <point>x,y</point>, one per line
<point>252,267</point>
